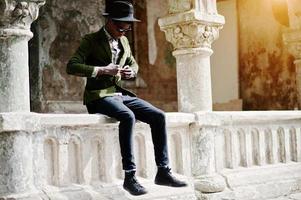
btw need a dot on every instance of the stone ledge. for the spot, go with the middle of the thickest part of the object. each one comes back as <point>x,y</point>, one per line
<point>264,182</point>
<point>247,118</point>
<point>36,121</point>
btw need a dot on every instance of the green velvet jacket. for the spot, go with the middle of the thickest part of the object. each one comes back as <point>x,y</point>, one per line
<point>94,51</point>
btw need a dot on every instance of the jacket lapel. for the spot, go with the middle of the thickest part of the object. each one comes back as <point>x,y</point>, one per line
<point>122,55</point>
<point>105,43</point>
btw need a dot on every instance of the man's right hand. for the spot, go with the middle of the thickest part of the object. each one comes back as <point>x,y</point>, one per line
<point>110,69</point>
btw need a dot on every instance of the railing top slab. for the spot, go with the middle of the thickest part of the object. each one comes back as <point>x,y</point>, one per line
<point>247,117</point>
<point>14,121</point>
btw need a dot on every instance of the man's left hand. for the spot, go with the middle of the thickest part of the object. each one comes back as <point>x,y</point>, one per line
<point>127,72</point>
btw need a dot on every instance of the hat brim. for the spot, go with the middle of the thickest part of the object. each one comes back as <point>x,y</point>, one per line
<point>122,19</point>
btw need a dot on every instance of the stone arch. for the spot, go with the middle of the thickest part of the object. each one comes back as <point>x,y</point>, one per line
<point>140,154</point>
<point>98,167</point>
<point>51,151</point>
<point>75,160</point>
<point>176,154</point>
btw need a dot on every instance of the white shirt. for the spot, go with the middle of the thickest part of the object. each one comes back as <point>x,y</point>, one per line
<point>115,49</point>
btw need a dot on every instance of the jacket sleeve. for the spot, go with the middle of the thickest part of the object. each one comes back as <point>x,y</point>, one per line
<point>77,64</point>
<point>131,60</point>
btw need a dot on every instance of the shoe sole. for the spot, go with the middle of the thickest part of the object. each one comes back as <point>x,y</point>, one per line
<point>135,194</point>
<point>170,185</point>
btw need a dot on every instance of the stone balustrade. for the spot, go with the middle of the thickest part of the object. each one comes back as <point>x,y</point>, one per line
<point>249,139</point>
<point>231,155</point>
<point>258,154</point>
<point>60,153</point>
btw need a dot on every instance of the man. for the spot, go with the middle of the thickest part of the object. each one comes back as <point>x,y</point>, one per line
<point>105,58</point>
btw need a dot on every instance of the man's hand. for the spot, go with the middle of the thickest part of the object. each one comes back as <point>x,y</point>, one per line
<point>110,69</point>
<point>127,72</point>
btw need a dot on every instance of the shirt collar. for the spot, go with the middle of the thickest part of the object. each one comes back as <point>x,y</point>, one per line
<point>110,38</point>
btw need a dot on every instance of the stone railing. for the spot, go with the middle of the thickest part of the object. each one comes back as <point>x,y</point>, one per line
<point>258,154</point>
<point>58,154</point>
<point>223,155</point>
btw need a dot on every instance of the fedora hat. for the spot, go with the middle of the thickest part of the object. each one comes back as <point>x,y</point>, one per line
<point>121,11</point>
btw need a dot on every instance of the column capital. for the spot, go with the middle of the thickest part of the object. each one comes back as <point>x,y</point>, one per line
<point>191,34</point>
<point>17,17</point>
<point>191,29</point>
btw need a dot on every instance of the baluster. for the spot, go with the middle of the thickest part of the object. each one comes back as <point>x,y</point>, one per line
<point>178,156</point>
<point>275,144</point>
<point>117,164</point>
<point>249,152</point>
<point>281,145</point>
<point>140,155</point>
<point>150,165</point>
<point>186,151</point>
<point>298,144</point>
<point>51,160</point>
<point>293,144</point>
<point>63,158</point>
<point>268,146</point>
<point>255,146</point>
<point>109,156</point>
<point>97,165</point>
<point>219,151</point>
<point>261,148</point>
<point>74,160</point>
<point>242,148</point>
<point>287,146</point>
<point>232,152</point>
<point>228,149</point>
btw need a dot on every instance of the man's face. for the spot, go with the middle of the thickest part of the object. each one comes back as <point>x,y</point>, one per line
<point>118,29</point>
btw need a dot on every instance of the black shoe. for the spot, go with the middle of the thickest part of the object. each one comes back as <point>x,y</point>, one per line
<point>132,185</point>
<point>164,177</point>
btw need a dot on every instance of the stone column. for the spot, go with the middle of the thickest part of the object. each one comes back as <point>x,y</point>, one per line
<point>292,39</point>
<point>191,26</point>
<point>16,174</point>
<point>204,132</point>
<point>15,20</point>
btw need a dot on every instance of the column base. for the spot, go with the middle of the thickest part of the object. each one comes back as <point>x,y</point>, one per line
<point>210,183</point>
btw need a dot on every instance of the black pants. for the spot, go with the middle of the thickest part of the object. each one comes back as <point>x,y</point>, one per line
<point>127,109</point>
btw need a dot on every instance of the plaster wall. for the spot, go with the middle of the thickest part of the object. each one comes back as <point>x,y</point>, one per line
<point>224,60</point>
<point>267,73</point>
<point>157,65</point>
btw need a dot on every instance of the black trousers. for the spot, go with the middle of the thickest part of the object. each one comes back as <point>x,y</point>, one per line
<point>127,109</point>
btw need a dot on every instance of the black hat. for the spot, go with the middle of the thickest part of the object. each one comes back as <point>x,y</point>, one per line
<point>121,11</point>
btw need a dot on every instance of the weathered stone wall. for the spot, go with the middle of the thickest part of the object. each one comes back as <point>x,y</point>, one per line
<point>154,54</point>
<point>267,73</point>
<point>57,34</point>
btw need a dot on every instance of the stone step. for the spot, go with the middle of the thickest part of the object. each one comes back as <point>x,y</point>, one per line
<point>110,191</point>
<point>296,196</point>
<point>157,192</point>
